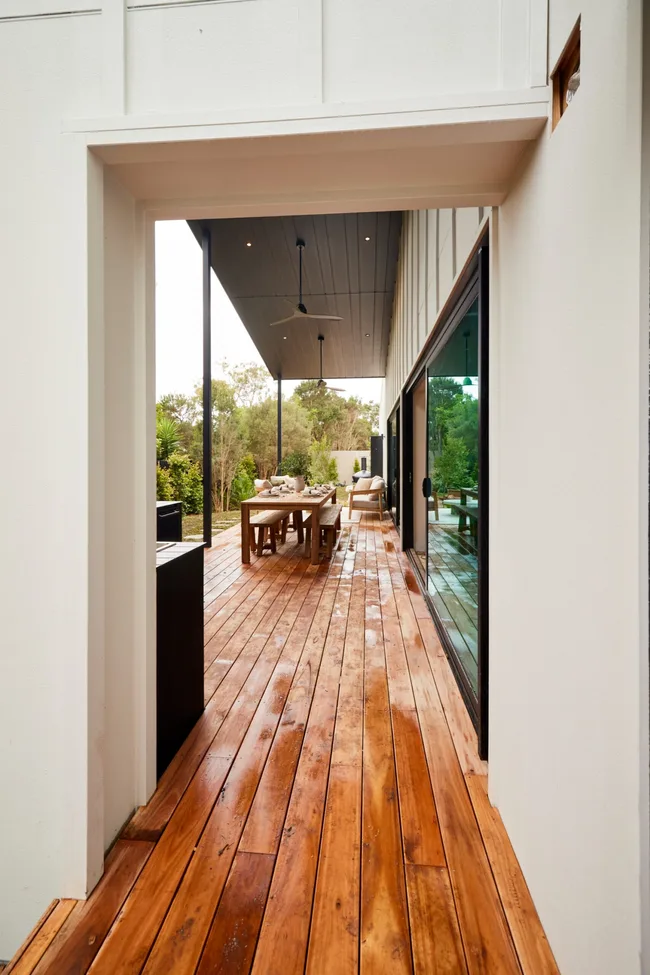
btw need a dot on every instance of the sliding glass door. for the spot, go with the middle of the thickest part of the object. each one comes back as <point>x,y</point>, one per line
<point>453,508</point>
<point>445,495</point>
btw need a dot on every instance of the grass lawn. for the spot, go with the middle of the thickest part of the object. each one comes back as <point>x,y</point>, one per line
<point>193,524</point>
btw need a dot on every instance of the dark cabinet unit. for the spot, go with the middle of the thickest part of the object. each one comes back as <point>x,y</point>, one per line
<point>179,645</point>
<point>169,521</point>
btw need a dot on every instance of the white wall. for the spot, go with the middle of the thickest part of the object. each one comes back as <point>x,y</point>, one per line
<point>119,513</point>
<point>214,55</point>
<point>433,249</point>
<point>50,725</point>
<point>345,462</point>
<point>568,619</point>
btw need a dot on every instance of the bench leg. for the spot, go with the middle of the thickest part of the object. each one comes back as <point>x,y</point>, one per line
<point>272,532</point>
<point>261,539</point>
<point>284,529</point>
<point>308,539</point>
<point>297,524</point>
<point>329,536</point>
<point>251,540</point>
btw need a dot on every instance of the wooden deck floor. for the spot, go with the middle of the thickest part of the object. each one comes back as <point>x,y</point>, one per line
<point>328,814</point>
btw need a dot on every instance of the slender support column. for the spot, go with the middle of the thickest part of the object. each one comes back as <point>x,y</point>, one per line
<point>279,423</point>
<point>207,391</point>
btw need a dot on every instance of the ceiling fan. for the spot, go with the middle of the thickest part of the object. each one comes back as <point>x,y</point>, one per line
<point>299,310</point>
<point>321,382</point>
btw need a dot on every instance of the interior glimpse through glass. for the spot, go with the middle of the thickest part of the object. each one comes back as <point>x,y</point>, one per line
<point>452,506</point>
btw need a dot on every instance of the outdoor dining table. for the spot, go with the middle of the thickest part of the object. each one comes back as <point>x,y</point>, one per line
<point>285,502</point>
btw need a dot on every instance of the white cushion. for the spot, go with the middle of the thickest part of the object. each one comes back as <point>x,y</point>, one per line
<point>363,484</point>
<point>377,484</point>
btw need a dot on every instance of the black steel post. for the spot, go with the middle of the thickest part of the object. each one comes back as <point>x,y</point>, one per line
<point>279,423</point>
<point>484,497</point>
<point>207,390</point>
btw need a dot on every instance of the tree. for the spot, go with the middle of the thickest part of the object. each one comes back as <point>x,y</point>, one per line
<point>228,441</point>
<point>356,467</point>
<point>262,432</point>
<point>347,423</point>
<point>250,382</point>
<point>462,423</point>
<point>450,471</point>
<point>324,407</point>
<point>183,411</point>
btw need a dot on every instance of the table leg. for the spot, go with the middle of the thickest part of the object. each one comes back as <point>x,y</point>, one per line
<point>315,536</point>
<point>245,535</point>
<point>297,524</point>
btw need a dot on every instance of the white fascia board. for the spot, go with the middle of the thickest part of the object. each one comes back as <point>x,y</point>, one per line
<point>492,107</point>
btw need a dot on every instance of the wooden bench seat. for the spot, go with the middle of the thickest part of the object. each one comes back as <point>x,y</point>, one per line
<point>465,512</point>
<point>267,522</point>
<point>329,525</point>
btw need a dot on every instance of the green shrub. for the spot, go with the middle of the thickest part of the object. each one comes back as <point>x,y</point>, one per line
<point>163,484</point>
<point>247,465</point>
<point>296,464</point>
<point>242,486</point>
<point>322,466</point>
<point>186,483</point>
<point>167,437</point>
<point>356,467</point>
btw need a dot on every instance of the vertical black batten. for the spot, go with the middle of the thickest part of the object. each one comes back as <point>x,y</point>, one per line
<point>207,388</point>
<point>279,423</point>
<point>484,497</point>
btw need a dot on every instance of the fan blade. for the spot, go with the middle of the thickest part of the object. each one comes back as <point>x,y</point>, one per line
<point>291,318</point>
<point>334,389</point>
<point>324,318</point>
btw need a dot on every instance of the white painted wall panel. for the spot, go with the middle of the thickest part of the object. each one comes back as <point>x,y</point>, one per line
<point>568,623</point>
<point>120,506</point>
<point>386,50</point>
<point>429,252</point>
<point>216,56</point>
<point>47,679</point>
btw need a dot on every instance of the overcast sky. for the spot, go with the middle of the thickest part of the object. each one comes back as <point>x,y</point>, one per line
<point>179,321</point>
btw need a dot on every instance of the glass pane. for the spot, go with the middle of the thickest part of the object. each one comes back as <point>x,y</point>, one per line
<point>453,510</point>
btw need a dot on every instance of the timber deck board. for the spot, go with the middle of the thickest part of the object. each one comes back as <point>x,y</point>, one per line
<point>328,814</point>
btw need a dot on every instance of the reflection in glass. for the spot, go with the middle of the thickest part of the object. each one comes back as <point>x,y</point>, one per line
<point>453,509</point>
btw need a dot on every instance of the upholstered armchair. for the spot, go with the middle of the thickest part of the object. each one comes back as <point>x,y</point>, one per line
<point>366,495</point>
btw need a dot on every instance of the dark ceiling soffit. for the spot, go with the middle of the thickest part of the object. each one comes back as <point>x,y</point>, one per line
<point>342,276</point>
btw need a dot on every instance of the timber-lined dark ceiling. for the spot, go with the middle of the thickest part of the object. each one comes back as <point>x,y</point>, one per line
<point>343,274</point>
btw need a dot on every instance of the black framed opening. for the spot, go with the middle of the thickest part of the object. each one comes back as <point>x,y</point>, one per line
<point>393,458</point>
<point>445,491</point>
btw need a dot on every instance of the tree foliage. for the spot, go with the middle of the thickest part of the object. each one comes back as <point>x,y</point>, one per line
<point>315,421</point>
<point>453,434</point>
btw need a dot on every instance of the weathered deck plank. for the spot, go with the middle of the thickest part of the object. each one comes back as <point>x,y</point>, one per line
<point>328,813</point>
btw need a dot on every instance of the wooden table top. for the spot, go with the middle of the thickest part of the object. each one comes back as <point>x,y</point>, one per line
<point>291,501</point>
